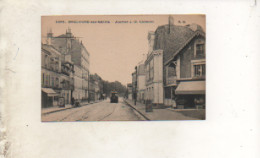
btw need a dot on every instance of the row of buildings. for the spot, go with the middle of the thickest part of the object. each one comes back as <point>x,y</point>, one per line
<point>65,75</point>
<point>173,73</point>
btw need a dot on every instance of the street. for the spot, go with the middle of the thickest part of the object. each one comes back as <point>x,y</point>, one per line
<point>101,111</point>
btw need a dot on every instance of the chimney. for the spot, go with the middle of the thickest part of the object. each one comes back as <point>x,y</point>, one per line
<point>151,37</point>
<point>49,37</point>
<point>68,32</point>
<point>194,27</point>
<point>171,22</point>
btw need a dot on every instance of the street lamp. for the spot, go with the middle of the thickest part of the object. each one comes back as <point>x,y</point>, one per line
<point>135,84</point>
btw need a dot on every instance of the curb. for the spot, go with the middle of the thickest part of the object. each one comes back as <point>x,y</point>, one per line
<point>137,110</point>
<point>46,113</point>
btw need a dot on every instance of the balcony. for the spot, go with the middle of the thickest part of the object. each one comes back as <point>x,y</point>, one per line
<point>171,80</point>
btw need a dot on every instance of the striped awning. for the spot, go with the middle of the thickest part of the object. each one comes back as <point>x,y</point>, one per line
<point>50,92</point>
<point>191,87</point>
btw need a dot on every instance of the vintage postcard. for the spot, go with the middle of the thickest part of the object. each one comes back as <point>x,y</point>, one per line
<point>123,67</point>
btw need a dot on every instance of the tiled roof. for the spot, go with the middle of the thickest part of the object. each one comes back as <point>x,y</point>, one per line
<point>62,36</point>
<point>172,40</point>
<point>59,44</point>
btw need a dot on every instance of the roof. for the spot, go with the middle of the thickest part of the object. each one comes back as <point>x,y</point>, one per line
<point>172,39</point>
<point>63,36</point>
<point>60,43</point>
<point>50,49</point>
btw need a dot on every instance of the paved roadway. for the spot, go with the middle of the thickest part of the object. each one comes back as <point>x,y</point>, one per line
<point>102,111</point>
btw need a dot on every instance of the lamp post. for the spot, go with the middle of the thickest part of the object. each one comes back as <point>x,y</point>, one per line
<point>88,88</point>
<point>135,84</point>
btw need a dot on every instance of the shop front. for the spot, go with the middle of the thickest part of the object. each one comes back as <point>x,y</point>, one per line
<point>49,97</point>
<point>191,94</point>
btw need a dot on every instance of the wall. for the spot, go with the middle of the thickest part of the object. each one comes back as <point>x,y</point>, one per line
<point>154,87</point>
<point>141,82</point>
<point>186,55</point>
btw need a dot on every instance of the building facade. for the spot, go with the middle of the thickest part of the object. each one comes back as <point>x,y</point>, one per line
<point>66,79</point>
<point>141,82</point>
<point>79,91</point>
<point>50,75</point>
<point>129,91</point>
<point>175,66</point>
<point>96,91</point>
<point>154,78</point>
<point>68,44</point>
<point>134,85</point>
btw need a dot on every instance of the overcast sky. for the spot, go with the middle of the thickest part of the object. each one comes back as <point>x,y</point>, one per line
<point>115,48</point>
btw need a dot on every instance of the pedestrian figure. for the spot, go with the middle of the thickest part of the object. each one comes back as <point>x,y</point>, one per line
<point>72,101</point>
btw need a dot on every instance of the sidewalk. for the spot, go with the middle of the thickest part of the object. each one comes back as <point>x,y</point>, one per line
<point>160,114</point>
<point>49,110</point>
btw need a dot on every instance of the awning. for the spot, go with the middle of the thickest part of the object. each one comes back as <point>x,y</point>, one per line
<point>191,87</point>
<point>50,92</point>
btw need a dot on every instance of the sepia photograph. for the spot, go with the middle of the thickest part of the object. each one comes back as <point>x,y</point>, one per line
<point>129,79</point>
<point>123,67</point>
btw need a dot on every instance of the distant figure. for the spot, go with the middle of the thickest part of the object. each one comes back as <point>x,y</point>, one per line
<point>72,101</point>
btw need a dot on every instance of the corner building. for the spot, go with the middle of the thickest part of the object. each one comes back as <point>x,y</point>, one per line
<point>176,66</point>
<point>68,44</point>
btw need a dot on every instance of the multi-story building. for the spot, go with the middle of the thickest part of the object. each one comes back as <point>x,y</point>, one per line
<point>134,85</point>
<point>57,74</point>
<point>141,82</point>
<point>95,92</point>
<point>175,65</point>
<point>66,78</point>
<point>154,78</point>
<point>68,44</point>
<point>50,75</point>
<point>78,83</point>
<point>129,91</point>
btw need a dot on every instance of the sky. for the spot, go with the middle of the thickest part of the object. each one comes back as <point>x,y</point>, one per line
<point>115,48</point>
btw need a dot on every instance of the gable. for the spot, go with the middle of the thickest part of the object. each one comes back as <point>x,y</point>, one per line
<point>171,54</point>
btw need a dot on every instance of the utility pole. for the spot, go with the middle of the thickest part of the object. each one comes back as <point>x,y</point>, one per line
<point>135,84</point>
<point>103,91</point>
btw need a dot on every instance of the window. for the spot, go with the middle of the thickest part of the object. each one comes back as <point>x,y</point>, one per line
<point>46,61</point>
<point>42,79</point>
<point>151,69</point>
<point>171,70</point>
<point>56,66</point>
<point>52,81</point>
<point>147,72</point>
<point>57,82</point>
<point>47,81</point>
<point>203,70</point>
<point>200,50</point>
<point>199,70</point>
